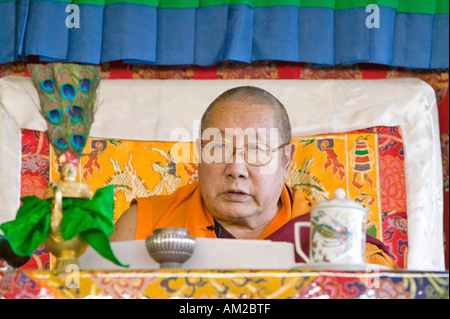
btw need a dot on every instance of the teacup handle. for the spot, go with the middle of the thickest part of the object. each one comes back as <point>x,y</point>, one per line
<point>298,244</point>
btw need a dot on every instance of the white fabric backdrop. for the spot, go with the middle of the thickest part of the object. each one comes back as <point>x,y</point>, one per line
<point>155,109</point>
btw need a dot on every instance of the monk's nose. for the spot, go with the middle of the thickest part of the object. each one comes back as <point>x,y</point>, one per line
<point>237,168</point>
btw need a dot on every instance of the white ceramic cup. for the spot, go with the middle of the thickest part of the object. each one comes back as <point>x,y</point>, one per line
<point>337,232</point>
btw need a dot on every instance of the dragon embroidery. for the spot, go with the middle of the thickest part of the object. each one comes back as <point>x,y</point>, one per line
<point>127,180</point>
<point>169,179</point>
<point>301,178</point>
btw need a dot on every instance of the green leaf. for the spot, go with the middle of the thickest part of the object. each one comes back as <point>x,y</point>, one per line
<point>100,242</point>
<point>92,219</point>
<point>30,228</point>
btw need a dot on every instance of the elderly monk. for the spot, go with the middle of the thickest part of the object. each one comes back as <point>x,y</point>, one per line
<point>246,155</point>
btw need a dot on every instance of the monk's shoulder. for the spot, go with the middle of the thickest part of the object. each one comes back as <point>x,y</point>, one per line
<point>125,226</point>
<point>148,211</point>
<point>158,205</point>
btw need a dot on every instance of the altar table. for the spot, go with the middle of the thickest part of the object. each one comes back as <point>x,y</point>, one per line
<point>223,284</point>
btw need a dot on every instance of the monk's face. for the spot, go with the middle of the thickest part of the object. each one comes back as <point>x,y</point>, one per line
<point>236,191</point>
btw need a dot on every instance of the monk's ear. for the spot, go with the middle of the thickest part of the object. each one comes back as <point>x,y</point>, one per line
<point>198,144</point>
<point>288,157</point>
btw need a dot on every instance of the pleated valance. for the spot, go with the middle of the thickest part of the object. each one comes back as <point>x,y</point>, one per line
<point>404,33</point>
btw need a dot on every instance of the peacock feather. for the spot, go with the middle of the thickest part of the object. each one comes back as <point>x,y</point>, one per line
<point>67,95</point>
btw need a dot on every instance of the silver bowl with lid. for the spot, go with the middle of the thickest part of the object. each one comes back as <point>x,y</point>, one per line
<point>170,246</point>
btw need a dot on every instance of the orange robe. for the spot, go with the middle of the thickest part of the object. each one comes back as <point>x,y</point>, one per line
<point>185,209</point>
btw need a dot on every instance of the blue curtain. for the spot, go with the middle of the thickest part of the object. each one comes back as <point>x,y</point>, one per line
<point>136,32</point>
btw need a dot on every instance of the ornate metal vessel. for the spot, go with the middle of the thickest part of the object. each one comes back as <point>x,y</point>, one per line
<point>65,251</point>
<point>170,246</point>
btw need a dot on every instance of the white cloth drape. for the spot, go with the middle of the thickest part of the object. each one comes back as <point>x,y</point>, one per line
<point>171,109</point>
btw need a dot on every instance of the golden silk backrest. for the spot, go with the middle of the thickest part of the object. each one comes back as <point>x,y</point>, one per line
<point>322,163</point>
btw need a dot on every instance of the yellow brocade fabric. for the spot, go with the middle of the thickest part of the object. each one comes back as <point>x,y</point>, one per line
<point>322,163</point>
<point>224,284</point>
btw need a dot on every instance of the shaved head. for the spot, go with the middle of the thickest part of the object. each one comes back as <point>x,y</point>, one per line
<point>252,95</point>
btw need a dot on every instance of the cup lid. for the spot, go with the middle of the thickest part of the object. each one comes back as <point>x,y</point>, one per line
<point>339,200</point>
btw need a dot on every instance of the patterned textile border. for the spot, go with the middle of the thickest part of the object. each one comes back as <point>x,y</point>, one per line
<point>437,78</point>
<point>267,284</point>
<point>34,179</point>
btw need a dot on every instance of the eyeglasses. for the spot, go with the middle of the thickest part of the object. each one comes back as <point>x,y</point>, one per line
<point>256,154</point>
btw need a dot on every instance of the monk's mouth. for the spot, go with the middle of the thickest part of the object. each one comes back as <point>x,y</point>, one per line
<point>236,196</point>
